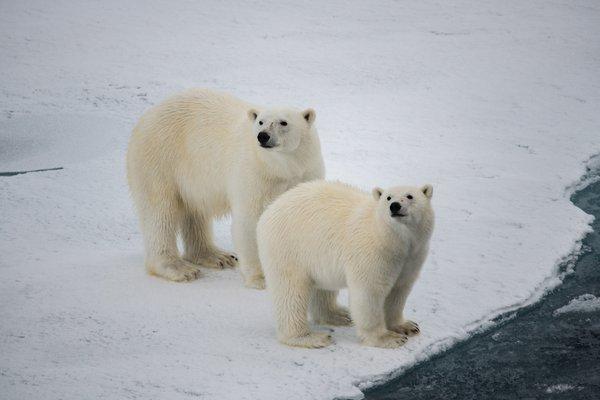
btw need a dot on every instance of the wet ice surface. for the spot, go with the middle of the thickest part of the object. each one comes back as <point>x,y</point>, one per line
<point>538,354</point>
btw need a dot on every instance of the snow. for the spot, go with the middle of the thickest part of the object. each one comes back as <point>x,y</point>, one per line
<point>584,303</point>
<point>494,103</point>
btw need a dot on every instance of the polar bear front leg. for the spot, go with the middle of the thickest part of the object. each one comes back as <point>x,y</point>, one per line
<point>396,299</point>
<point>394,311</point>
<point>159,226</point>
<point>367,308</point>
<point>244,239</point>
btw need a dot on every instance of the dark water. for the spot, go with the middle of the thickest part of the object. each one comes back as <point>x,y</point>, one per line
<point>536,355</point>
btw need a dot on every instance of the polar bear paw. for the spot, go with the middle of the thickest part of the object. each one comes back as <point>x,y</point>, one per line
<point>255,282</point>
<point>216,259</point>
<point>338,317</point>
<point>408,328</point>
<point>314,340</point>
<point>389,340</point>
<point>175,270</point>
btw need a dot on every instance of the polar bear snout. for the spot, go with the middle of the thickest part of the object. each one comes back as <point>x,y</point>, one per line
<point>263,138</point>
<point>395,208</point>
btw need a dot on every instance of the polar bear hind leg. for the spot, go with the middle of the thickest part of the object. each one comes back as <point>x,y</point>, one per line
<point>291,301</point>
<point>196,232</point>
<point>325,310</point>
<point>159,223</point>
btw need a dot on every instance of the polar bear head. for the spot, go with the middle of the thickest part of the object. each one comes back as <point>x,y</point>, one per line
<point>404,205</point>
<point>281,130</point>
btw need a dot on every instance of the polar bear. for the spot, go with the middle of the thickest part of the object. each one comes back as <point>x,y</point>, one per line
<point>320,237</point>
<point>202,154</point>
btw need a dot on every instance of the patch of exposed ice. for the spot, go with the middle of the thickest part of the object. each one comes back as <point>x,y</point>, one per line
<point>560,388</point>
<point>584,303</point>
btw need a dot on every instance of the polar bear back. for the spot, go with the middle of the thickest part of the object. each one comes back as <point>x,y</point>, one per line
<point>323,228</point>
<point>197,121</point>
<point>189,142</point>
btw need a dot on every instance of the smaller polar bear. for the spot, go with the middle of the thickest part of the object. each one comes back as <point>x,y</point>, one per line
<point>202,154</point>
<point>320,237</point>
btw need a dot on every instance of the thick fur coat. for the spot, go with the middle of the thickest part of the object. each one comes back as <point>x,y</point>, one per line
<point>320,237</point>
<point>200,155</point>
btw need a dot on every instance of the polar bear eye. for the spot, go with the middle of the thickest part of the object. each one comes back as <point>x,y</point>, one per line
<point>409,197</point>
<point>389,198</point>
<point>283,123</point>
<point>260,122</point>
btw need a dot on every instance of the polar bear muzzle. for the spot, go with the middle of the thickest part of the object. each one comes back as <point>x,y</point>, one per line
<point>395,209</point>
<point>264,138</point>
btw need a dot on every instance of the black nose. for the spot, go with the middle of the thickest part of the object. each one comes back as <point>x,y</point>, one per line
<point>263,137</point>
<point>395,207</point>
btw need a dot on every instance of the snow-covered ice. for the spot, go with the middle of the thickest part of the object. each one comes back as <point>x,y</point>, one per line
<point>494,103</point>
<point>582,304</point>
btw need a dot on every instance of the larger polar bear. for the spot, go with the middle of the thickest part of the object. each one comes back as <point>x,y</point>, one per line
<point>201,154</point>
<point>320,237</point>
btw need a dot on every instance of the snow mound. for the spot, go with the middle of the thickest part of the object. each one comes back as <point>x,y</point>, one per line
<point>584,303</point>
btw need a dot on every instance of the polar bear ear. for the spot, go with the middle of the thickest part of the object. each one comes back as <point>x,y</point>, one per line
<point>252,114</point>
<point>309,115</point>
<point>427,191</point>
<point>377,192</point>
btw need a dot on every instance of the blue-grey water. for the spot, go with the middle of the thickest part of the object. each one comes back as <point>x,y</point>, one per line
<point>536,355</point>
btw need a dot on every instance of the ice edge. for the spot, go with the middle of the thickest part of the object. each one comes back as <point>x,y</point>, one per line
<point>562,268</point>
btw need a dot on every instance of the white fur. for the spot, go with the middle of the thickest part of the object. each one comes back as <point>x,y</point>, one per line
<point>320,237</point>
<point>195,157</point>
